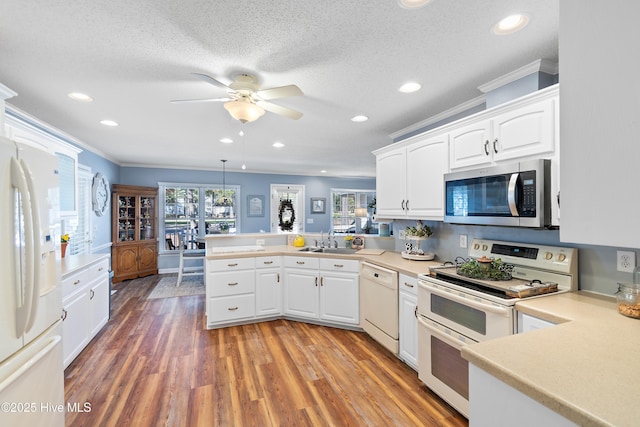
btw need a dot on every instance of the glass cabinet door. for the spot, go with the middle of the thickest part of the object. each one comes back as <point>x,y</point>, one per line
<point>126,218</point>
<point>147,218</point>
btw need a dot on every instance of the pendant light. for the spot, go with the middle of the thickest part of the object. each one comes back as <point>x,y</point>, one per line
<point>224,201</point>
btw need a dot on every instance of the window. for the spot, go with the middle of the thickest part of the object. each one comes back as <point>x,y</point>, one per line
<point>190,211</point>
<point>352,210</point>
<point>79,227</point>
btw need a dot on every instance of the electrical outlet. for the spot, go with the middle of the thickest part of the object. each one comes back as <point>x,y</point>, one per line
<point>463,240</point>
<point>402,234</point>
<point>626,261</point>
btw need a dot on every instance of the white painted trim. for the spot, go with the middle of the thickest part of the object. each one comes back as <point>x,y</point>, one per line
<point>6,93</point>
<point>543,65</point>
<point>99,249</point>
<point>441,116</point>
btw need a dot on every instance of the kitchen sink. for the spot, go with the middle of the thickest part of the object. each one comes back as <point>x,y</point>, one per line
<point>329,250</point>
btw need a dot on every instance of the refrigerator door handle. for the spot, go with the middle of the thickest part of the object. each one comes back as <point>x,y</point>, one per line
<point>36,245</point>
<point>25,287</point>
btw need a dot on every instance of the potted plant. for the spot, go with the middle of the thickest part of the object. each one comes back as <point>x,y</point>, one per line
<point>224,227</point>
<point>420,230</point>
<point>347,241</point>
<point>64,241</point>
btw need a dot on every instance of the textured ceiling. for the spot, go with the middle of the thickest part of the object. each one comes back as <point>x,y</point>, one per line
<point>348,57</point>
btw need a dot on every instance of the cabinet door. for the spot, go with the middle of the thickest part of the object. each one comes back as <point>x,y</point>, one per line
<point>301,293</point>
<point>125,260</point>
<point>339,297</point>
<point>470,145</point>
<point>268,292</point>
<point>408,324</point>
<point>99,305</point>
<point>391,184</point>
<point>75,327</point>
<point>148,259</point>
<point>526,131</point>
<point>427,162</point>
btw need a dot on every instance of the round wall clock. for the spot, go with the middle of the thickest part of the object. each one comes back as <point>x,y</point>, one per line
<point>100,194</point>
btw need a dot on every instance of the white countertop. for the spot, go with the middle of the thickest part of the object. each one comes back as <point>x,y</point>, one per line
<point>585,368</point>
<point>388,259</point>
<point>71,263</point>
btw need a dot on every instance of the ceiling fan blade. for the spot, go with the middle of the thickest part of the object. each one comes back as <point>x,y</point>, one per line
<point>278,109</point>
<point>279,92</point>
<point>178,101</point>
<point>211,80</point>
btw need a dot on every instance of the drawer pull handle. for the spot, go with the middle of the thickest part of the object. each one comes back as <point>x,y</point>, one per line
<point>408,284</point>
<point>232,308</point>
<point>93,294</point>
<point>64,315</point>
<point>267,262</point>
<point>235,264</point>
<point>232,284</point>
<point>101,268</point>
<point>338,265</point>
<point>300,262</point>
<point>76,282</point>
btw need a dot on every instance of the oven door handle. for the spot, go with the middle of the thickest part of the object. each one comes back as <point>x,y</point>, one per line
<point>450,339</point>
<point>467,301</point>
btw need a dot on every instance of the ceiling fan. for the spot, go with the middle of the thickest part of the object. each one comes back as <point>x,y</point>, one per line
<point>246,102</point>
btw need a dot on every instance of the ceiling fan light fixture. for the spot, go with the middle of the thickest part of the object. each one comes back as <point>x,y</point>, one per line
<point>244,111</point>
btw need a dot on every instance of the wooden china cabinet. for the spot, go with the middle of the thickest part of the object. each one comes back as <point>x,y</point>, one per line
<point>134,251</point>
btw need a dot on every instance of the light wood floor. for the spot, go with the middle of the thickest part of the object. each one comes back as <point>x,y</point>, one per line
<point>155,364</point>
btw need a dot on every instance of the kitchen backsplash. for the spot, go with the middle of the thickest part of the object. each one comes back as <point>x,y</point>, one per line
<point>597,264</point>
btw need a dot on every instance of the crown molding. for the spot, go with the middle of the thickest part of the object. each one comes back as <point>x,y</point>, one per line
<point>542,65</point>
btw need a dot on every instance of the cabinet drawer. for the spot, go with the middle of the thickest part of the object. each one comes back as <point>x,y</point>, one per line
<point>231,283</point>
<point>231,264</point>
<point>99,269</point>
<point>230,308</point>
<point>301,262</point>
<point>408,284</point>
<point>268,261</point>
<point>336,264</point>
<point>75,280</point>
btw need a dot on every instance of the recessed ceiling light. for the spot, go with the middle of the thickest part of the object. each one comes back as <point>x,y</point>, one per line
<point>78,96</point>
<point>323,171</point>
<point>226,140</point>
<point>412,4</point>
<point>278,144</point>
<point>109,123</point>
<point>359,118</point>
<point>409,87</point>
<point>510,24</point>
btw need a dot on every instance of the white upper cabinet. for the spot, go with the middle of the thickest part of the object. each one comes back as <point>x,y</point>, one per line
<point>409,179</point>
<point>599,106</point>
<point>523,131</point>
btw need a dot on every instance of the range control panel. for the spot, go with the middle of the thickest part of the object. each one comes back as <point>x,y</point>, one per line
<point>552,258</point>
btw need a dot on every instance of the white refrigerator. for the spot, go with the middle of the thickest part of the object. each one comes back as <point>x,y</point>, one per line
<point>31,370</point>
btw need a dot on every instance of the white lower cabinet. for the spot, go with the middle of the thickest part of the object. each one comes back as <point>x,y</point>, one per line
<point>495,403</point>
<point>269,286</point>
<point>528,323</point>
<point>322,289</point>
<point>230,290</point>
<point>85,305</point>
<point>339,290</point>
<point>408,322</point>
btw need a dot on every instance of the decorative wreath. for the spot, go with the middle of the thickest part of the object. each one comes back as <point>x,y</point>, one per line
<point>286,206</point>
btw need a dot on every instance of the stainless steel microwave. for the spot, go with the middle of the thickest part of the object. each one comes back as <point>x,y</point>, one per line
<point>516,195</point>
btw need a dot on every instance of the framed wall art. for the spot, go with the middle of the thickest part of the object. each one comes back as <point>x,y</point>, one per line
<point>255,205</point>
<point>318,205</point>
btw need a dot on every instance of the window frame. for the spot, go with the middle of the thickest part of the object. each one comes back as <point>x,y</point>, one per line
<point>359,226</point>
<point>201,209</point>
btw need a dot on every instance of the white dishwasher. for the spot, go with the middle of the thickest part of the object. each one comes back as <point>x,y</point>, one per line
<point>379,287</point>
